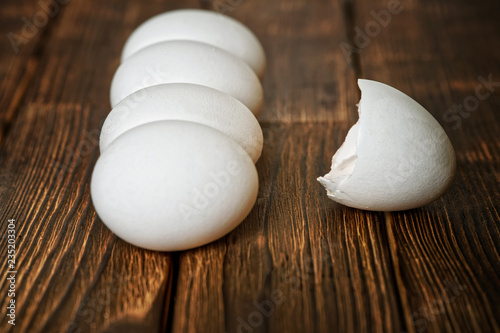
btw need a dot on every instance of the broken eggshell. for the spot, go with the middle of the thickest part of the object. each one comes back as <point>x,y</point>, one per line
<point>396,157</point>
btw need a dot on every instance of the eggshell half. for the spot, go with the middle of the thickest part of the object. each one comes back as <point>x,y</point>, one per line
<point>188,62</point>
<point>201,26</point>
<point>396,157</point>
<point>188,102</point>
<point>173,185</point>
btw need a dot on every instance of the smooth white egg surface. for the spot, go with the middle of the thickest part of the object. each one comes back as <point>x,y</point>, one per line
<point>202,26</point>
<point>396,157</point>
<point>188,102</point>
<point>188,62</point>
<point>173,185</point>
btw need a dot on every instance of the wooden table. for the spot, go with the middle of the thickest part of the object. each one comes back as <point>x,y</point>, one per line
<point>299,262</point>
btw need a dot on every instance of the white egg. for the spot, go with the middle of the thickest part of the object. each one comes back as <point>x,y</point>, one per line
<point>188,62</point>
<point>201,26</point>
<point>396,157</point>
<point>173,185</point>
<point>189,102</point>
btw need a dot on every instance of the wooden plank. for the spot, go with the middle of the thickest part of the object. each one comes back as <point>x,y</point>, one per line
<point>318,263</point>
<point>267,254</point>
<point>307,78</point>
<point>299,262</point>
<point>23,30</point>
<point>446,257</point>
<point>73,273</point>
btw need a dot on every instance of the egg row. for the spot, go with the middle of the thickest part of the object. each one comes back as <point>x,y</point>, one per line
<point>178,149</point>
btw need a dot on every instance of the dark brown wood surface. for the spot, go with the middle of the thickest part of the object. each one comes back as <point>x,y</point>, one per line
<point>299,262</point>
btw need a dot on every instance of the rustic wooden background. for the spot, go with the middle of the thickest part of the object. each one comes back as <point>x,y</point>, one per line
<point>299,262</point>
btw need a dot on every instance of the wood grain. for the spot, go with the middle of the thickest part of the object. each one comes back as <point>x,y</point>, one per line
<point>301,40</point>
<point>299,262</point>
<point>19,59</point>
<point>446,253</point>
